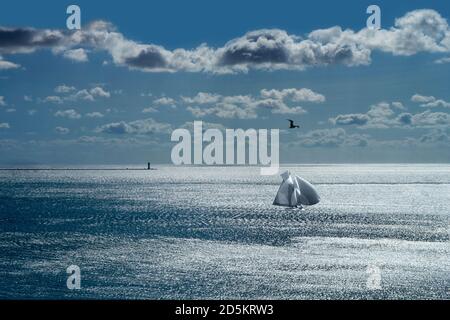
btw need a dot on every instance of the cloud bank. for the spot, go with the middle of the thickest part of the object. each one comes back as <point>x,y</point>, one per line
<point>417,31</point>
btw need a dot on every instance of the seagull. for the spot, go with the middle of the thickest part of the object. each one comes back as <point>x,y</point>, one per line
<point>292,125</point>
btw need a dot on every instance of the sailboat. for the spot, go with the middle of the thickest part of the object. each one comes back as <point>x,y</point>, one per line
<point>295,192</point>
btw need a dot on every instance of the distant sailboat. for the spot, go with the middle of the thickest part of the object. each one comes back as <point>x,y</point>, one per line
<point>295,192</point>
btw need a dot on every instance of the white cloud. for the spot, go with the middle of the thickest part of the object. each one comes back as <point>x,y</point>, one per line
<point>64,89</point>
<point>442,60</point>
<point>145,126</point>
<point>439,136</point>
<point>247,106</point>
<point>70,114</point>
<point>278,106</point>
<point>83,94</point>
<point>205,126</point>
<point>225,110</point>
<point>422,99</point>
<point>431,119</point>
<point>350,119</point>
<point>5,65</point>
<point>149,110</point>
<point>202,98</point>
<point>4,125</point>
<point>429,101</point>
<point>62,130</point>
<point>164,101</point>
<point>437,103</point>
<point>99,92</point>
<point>382,116</point>
<point>398,105</point>
<point>94,115</point>
<point>78,55</point>
<point>379,116</point>
<point>53,99</point>
<point>2,101</point>
<point>296,95</point>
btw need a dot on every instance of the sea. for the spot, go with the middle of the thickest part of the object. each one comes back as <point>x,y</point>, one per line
<point>380,232</point>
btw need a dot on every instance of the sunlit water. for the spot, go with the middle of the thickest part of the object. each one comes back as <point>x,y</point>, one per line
<point>205,232</point>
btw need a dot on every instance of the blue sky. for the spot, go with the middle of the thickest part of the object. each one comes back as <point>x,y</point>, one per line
<point>115,95</point>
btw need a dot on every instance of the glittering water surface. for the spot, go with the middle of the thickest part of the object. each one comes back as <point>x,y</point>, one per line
<point>205,232</point>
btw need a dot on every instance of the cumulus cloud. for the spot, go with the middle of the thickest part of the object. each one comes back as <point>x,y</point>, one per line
<point>398,105</point>
<point>83,94</point>
<point>62,130</point>
<point>2,101</point>
<point>241,107</point>
<point>417,31</point>
<point>278,106</point>
<point>436,136</point>
<point>382,115</point>
<point>437,103</point>
<point>148,58</point>
<point>89,94</point>
<point>70,114</point>
<point>77,55</point>
<point>247,106</point>
<point>67,93</point>
<point>202,98</point>
<point>94,115</point>
<point>99,92</point>
<point>4,125</point>
<point>292,94</point>
<point>53,99</point>
<point>5,65</point>
<point>431,119</point>
<point>405,119</point>
<point>149,110</point>
<point>225,110</point>
<point>429,101</point>
<point>379,116</point>
<point>442,60</point>
<point>351,119</point>
<point>26,40</point>
<point>164,101</point>
<point>205,126</point>
<point>276,49</point>
<point>145,126</point>
<point>64,89</point>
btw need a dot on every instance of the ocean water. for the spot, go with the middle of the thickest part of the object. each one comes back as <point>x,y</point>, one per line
<point>212,233</point>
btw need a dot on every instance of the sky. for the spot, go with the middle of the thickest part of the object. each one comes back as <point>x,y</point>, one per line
<point>113,91</point>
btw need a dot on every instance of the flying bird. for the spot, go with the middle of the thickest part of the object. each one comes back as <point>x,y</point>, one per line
<point>292,125</point>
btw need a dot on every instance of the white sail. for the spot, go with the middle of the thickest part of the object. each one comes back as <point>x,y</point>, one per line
<point>295,191</point>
